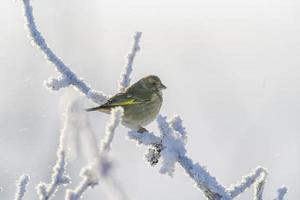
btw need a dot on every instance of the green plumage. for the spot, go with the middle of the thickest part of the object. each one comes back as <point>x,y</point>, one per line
<point>141,102</point>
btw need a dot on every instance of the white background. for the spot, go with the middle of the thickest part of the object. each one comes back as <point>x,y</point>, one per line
<point>231,68</point>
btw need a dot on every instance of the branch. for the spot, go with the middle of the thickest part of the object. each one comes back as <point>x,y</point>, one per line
<point>90,179</point>
<point>260,185</point>
<point>203,179</point>
<point>146,138</point>
<point>170,145</point>
<point>281,193</point>
<point>246,182</point>
<point>116,116</point>
<point>45,191</point>
<point>100,167</point>
<point>125,76</point>
<point>172,142</point>
<point>21,187</point>
<point>67,77</point>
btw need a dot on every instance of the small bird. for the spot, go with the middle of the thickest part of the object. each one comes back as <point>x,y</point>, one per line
<point>141,103</point>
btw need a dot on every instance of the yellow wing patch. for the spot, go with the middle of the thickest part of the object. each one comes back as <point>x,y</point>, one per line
<point>126,102</point>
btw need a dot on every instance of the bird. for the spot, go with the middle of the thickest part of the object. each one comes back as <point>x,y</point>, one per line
<point>141,103</point>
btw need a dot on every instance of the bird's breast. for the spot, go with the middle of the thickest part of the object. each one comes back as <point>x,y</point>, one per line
<point>143,113</point>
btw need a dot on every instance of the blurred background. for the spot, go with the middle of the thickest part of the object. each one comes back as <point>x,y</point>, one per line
<point>232,72</point>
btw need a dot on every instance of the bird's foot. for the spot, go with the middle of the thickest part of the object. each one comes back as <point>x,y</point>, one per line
<point>142,130</point>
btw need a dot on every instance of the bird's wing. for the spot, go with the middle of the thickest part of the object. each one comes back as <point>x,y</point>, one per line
<point>139,92</point>
<point>123,99</point>
<point>128,98</point>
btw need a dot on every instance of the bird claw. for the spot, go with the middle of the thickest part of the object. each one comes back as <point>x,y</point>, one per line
<point>142,130</point>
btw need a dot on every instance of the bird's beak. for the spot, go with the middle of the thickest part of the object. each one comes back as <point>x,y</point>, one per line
<point>162,87</point>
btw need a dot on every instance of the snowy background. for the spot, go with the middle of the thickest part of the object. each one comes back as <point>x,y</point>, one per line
<point>231,68</point>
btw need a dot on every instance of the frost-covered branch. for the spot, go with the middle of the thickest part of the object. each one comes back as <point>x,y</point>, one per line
<point>46,191</point>
<point>90,179</point>
<point>116,116</point>
<point>247,181</point>
<point>76,123</point>
<point>67,77</point>
<point>203,179</point>
<point>146,138</point>
<point>100,166</point>
<point>169,145</point>
<point>59,177</point>
<point>260,186</point>
<point>281,192</point>
<point>21,187</point>
<point>125,76</point>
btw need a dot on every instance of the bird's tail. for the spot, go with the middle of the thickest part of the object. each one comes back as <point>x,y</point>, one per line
<point>93,109</point>
<point>99,108</point>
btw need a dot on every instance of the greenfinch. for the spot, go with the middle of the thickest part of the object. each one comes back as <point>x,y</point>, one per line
<point>141,103</point>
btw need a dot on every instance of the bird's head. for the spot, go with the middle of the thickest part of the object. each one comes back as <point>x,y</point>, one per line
<point>153,83</point>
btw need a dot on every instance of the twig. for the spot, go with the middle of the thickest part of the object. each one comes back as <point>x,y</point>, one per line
<point>260,185</point>
<point>67,77</point>
<point>170,145</point>
<point>100,166</point>
<point>59,177</point>
<point>21,187</point>
<point>246,182</point>
<point>90,179</point>
<point>116,116</point>
<point>125,76</point>
<point>281,193</point>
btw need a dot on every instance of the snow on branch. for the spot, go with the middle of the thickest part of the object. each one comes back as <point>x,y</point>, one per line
<point>246,182</point>
<point>100,165</point>
<point>90,179</point>
<point>169,145</point>
<point>116,116</point>
<point>46,191</point>
<point>173,146</point>
<point>21,187</point>
<point>146,138</point>
<point>67,77</point>
<point>77,122</point>
<point>260,186</point>
<point>174,140</point>
<point>204,180</point>
<point>59,177</point>
<point>281,192</point>
<point>125,76</point>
